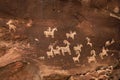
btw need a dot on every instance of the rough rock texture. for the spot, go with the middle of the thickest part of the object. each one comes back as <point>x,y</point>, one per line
<point>23,51</point>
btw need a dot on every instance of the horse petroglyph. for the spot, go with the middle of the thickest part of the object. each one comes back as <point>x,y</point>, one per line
<point>50,32</point>
<point>71,34</point>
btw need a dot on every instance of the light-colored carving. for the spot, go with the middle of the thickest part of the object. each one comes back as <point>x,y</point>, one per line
<point>93,52</point>
<point>36,39</point>
<point>66,42</point>
<point>78,48</point>
<point>89,41</point>
<point>71,35</point>
<point>29,24</point>
<point>92,58</point>
<point>103,53</point>
<point>50,32</point>
<point>66,49</point>
<point>76,59</point>
<point>116,9</point>
<point>108,43</point>
<point>42,58</point>
<point>11,26</point>
<point>57,51</point>
<point>50,53</point>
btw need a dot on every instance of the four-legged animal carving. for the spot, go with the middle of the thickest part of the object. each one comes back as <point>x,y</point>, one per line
<point>50,54</point>
<point>77,48</point>
<point>76,59</point>
<point>56,51</point>
<point>50,32</point>
<point>103,53</point>
<point>65,49</point>
<point>71,34</point>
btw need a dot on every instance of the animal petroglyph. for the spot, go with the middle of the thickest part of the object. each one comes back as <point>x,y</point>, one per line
<point>71,34</point>
<point>103,53</point>
<point>50,32</point>
<point>76,59</point>
<point>92,58</point>
<point>66,49</point>
<point>77,48</point>
<point>57,51</point>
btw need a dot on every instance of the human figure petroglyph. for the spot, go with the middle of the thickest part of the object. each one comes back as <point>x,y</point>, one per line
<point>76,59</point>
<point>50,32</point>
<point>71,34</point>
<point>77,48</point>
<point>103,53</point>
<point>89,41</point>
<point>11,26</point>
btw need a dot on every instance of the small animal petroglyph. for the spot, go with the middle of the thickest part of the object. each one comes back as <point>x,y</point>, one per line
<point>71,35</point>
<point>89,41</point>
<point>50,32</point>
<point>103,53</point>
<point>76,59</point>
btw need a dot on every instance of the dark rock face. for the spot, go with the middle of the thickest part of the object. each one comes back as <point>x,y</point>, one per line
<point>89,18</point>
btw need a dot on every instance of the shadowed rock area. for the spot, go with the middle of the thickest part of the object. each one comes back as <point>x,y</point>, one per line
<point>41,39</point>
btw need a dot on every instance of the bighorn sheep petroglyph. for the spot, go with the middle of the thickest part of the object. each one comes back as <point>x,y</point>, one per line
<point>108,43</point>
